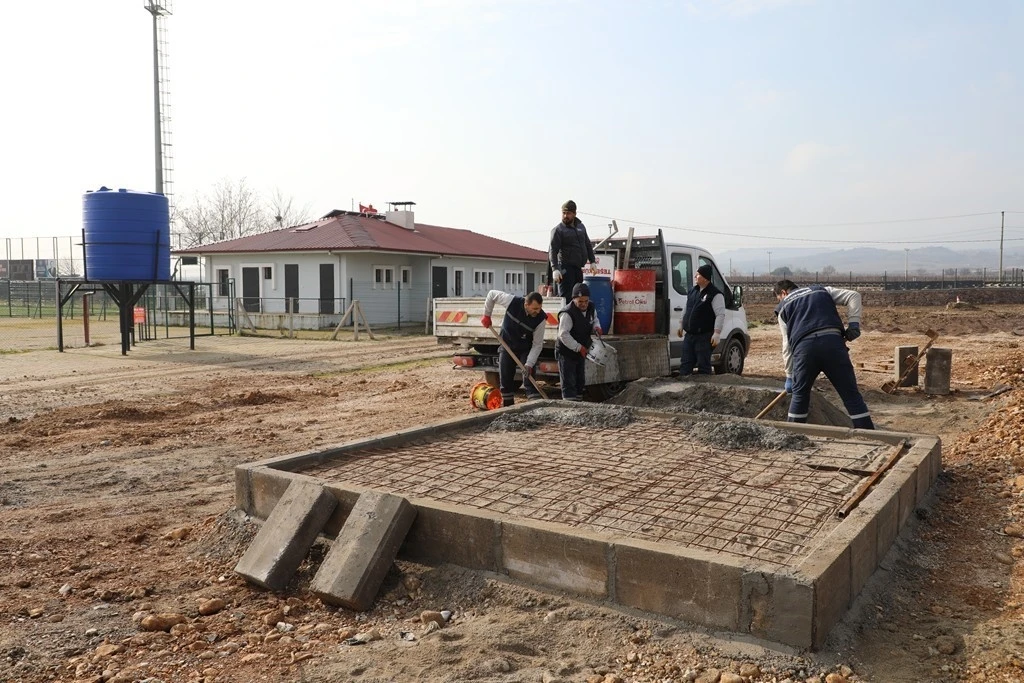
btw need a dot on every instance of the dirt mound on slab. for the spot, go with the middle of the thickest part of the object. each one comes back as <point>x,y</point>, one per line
<point>747,436</point>
<point>723,395</point>
<point>598,417</point>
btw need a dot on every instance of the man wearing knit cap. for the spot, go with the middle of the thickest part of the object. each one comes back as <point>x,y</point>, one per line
<point>577,321</point>
<point>702,322</point>
<point>570,250</point>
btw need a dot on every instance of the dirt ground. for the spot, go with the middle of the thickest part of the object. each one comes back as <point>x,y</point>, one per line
<point>116,511</point>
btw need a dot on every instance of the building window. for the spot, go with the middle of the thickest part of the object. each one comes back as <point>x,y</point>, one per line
<point>513,281</point>
<point>483,279</point>
<point>268,273</point>
<point>406,276</point>
<point>223,288</point>
<point>383,277</point>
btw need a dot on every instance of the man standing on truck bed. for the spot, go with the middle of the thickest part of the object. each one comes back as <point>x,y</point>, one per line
<point>523,330</point>
<point>702,322</point>
<point>813,341</point>
<point>576,322</point>
<point>570,250</point>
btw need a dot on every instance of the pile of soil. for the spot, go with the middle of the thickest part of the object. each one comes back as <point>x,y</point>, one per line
<point>725,395</point>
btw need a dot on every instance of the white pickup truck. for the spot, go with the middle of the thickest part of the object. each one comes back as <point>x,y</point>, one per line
<point>457,320</point>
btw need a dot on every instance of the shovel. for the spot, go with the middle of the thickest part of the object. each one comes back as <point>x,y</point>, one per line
<point>522,367</point>
<point>767,408</point>
<point>890,387</point>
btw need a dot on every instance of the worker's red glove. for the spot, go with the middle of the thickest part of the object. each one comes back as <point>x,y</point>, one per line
<point>486,321</point>
<point>583,351</point>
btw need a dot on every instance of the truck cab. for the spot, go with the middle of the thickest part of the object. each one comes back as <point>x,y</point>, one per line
<point>675,265</point>
<point>729,354</point>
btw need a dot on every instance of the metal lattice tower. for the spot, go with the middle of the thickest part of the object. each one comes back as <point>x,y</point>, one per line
<point>164,153</point>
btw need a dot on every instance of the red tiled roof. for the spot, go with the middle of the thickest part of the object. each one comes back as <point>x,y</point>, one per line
<point>350,232</point>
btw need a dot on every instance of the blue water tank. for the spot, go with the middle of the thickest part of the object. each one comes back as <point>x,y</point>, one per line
<point>602,297</point>
<point>127,235</point>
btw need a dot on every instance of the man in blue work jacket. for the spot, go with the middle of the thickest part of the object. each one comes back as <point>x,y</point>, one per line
<point>814,341</point>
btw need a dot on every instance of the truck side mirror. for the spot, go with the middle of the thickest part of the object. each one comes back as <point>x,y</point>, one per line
<point>737,295</point>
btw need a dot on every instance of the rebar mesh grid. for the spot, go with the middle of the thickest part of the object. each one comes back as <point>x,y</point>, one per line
<point>646,480</point>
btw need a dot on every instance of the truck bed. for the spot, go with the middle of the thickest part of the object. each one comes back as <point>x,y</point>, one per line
<point>457,321</point>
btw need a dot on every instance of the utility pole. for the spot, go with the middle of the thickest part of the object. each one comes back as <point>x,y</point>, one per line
<point>769,263</point>
<point>1002,228</point>
<point>906,264</point>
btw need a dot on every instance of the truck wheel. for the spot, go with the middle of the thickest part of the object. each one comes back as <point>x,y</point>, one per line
<point>732,359</point>
<point>492,378</point>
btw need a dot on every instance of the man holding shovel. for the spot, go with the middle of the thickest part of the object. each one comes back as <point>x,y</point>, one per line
<point>814,342</point>
<point>522,330</point>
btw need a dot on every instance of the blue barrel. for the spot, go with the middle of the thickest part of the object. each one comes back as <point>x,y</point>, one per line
<point>601,295</point>
<point>127,235</point>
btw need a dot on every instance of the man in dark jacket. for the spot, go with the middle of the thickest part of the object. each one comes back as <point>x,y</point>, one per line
<point>522,329</point>
<point>814,341</point>
<point>570,250</point>
<point>577,321</point>
<point>702,322</point>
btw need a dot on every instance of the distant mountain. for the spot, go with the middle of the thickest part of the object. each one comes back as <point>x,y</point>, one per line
<point>869,260</point>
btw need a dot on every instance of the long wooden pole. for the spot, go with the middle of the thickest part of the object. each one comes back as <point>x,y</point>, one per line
<point>852,503</point>
<point>775,402</point>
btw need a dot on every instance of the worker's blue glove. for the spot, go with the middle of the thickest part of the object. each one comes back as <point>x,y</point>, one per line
<point>853,331</point>
<point>789,385</point>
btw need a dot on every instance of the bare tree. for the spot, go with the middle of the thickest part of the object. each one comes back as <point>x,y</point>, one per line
<point>284,212</point>
<point>67,268</point>
<point>232,209</point>
<point>828,271</point>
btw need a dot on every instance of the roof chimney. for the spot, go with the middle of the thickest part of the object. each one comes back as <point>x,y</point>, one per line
<point>401,214</point>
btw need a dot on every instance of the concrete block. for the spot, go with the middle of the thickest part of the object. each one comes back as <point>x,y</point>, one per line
<point>905,473</point>
<point>937,371</point>
<point>286,536</point>
<point>443,534</point>
<point>922,453</point>
<point>863,553</point>
<point>695,587</point>
<point>266,487</point>
<point>363,552</point>
<point>906,359</point>
<point>830,572</point>
<point>887,524</point>
<point>778,608</point>
<point>936,460</point>
<point>547,557</point>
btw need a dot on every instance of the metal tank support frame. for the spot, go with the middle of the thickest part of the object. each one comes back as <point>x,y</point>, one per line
<point>125,293</point>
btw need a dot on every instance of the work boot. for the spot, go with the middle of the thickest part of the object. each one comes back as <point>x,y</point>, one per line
<point>863,423</point>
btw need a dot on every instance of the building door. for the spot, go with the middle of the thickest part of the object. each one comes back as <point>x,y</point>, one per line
<point>251,289</point>
<point>531,282</point>
<point>326,288</point>
<point>439,282</point>
<point>291,287</point>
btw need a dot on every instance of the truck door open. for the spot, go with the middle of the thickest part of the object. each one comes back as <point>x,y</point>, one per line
<point>681,272</point>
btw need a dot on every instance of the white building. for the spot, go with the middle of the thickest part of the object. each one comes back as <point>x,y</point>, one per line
<point>390,263</point>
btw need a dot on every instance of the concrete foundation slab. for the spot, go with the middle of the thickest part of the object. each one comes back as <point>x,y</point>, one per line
<point>726,522</point>
<point>280,546</point>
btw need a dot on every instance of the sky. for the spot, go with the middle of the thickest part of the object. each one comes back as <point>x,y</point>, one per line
<point>729,123</point>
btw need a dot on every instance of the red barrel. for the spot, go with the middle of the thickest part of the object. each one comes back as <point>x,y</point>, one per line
<point>634,301</point>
